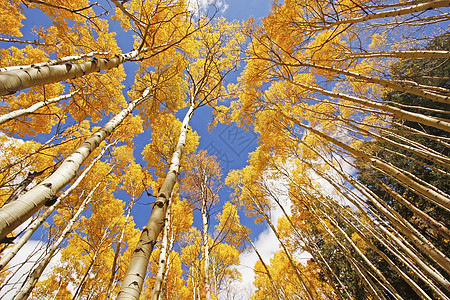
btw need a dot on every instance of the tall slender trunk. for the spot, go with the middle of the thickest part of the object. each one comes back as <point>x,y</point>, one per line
<point>357,266</point>
<point>163,294</point>
<point>434,196</point>
<point>402,259</point>
<point>34,276</point>
<point>389,287</point>
<point>117,252</point>
<point>438,226</point>
<point>38,222</point>
<point>16,80</point>
<point>308,244</point>
<point>17,212</point>
<point>53,62</point>
<point>135,275</point>
<point>162,256</point>
<point>26,111</point>
<point>373,198</point>
<point>392,13</point>
<point>398,112</point>
<point>205,240</point>
<point>272,282</point>
<point>307,291</point>
<point>421,92</point>
<point>80,287</point>
<point>403,54</point>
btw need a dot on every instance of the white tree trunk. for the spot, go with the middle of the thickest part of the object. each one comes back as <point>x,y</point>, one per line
<point>34,276</point>
<point>393,13</point>
<point>205,246</point>
<point>434,196</point>
<point>53,62</point>
<point>416,90</point>
<point>135,275</point>
<point>117,252</point>
<point>16,80</point>
<point>17,212</point>
<point>304,287</point>
<point>433,273</point>
<point>162,262</point>
<point>399,113</point>
<point>403,54</point>
<point>26,111</point>
<point>24,238</point>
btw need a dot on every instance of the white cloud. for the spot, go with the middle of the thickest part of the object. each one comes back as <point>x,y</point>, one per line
<point>266,243</point>
<point>201,6</point>
<point>22,264</point>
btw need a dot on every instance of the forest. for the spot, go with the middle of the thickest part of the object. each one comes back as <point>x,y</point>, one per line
<point>112,185</point>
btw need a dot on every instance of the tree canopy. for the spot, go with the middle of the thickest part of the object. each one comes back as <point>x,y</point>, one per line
<point>350,104</point>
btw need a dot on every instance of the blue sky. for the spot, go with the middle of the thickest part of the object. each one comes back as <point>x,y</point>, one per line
<point>230,144</point>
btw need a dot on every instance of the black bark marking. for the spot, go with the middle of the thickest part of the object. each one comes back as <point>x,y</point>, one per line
<point>68,67</point>
<point>138,250</point>
<point>135,283</point>
<point>51,201</point>
<point>23,186</point>
<point>7,240</point>
<point>48,185</point>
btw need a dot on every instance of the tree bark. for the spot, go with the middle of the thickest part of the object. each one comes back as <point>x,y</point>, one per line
<point>205,239</point>
<point>34,276</point>
<point>16,80</point>
<point>117,252</point>
<point>162,262</point>
<point>135,275</point>
<point>399,113</point>
<point>403,54</point>
<point>24,238</point>
<point>307,291</point>
<point>17,212</point>
<point>26,111</point>
<point>393,13</point>
<point>53,62</point>
<point>398,174</point>
<point>433,273</point>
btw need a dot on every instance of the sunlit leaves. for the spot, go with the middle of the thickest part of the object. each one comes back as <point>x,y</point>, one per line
<point>12,17</point>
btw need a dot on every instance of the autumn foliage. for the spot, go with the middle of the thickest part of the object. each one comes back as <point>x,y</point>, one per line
<point>350,104</point>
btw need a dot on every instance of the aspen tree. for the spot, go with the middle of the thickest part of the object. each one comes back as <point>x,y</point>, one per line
<point>210,61</point>
<point>162,261</point>
<point>202,183</point>
<point>134,278</point>
<point>17,212</point>
<point>24,238</point>
<point>34,276</point>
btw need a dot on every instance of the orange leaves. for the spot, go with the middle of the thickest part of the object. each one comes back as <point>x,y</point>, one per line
<point>28,55</point>
<point>281,24</point>
<point>230,226</point>
<point>11,17</point>
<point>129,129</point>
<point>165,133</point>
<point>202,179</point>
